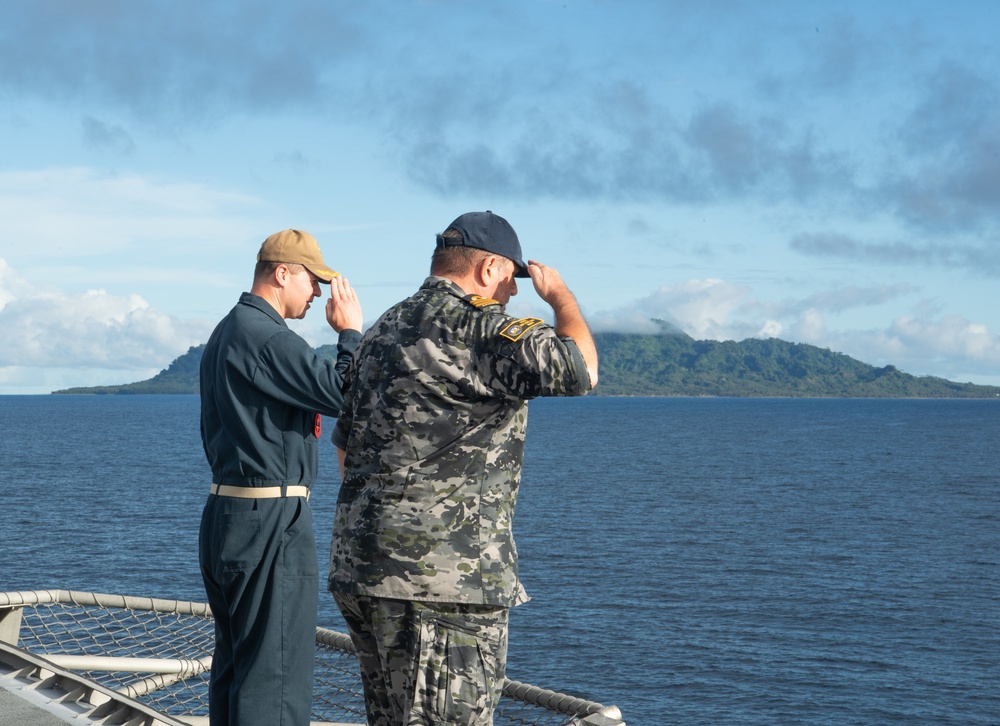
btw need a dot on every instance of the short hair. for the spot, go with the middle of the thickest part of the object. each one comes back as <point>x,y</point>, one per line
<point>266,268</point>
<point>456,260</point>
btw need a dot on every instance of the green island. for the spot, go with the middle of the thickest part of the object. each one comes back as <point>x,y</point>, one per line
<point>674,364</point>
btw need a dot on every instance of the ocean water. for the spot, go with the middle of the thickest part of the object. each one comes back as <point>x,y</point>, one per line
<point>692,561</point>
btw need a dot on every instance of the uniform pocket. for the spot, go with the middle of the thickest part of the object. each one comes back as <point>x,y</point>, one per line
<point>458,670</point>
<point>298,542</point>
<point>239,541</point>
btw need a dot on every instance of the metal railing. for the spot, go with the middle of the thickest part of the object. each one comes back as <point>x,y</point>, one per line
<point>158,652</point>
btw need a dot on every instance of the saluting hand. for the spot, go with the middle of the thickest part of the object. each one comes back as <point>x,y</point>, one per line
<point>343,309</point>
<point>569,320</point>
<point>548,282</point>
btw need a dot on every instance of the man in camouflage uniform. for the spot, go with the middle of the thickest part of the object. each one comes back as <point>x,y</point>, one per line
<point>423,564</point>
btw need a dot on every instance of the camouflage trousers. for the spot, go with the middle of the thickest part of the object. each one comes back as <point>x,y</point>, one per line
<point>427,664</point>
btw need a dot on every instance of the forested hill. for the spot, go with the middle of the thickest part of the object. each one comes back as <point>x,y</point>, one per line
<point>678,365</point>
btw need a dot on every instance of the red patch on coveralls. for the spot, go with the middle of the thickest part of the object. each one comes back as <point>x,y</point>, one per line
<point>317,425</point>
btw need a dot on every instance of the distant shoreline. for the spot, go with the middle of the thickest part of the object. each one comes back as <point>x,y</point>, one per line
<point>674,365</point>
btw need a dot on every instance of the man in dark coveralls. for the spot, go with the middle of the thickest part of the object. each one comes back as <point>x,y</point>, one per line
<point>263,390</point>
<point>423,564</point>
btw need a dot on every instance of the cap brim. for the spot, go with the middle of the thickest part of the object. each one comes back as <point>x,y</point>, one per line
<point>325,274</point>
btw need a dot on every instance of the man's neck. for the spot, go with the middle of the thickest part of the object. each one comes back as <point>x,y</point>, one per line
<point>269,294</point>
<point>467,283</point>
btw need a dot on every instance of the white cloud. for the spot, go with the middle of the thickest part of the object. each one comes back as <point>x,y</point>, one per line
<point>624,320</point>
<point>704,309</point>
<point>12,285</point>
<point>949,346</point>
<point>951,337</point>
<point>53,329</point>
<point>924,343</point>
<point>770,329</point>
<point>809,328</point>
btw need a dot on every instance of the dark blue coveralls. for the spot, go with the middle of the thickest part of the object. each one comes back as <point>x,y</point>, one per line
<point>262,391</point>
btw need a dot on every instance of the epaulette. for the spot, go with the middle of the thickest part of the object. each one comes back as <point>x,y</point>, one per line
<point>480,302</point>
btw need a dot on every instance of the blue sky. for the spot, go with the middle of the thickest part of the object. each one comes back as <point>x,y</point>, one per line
<point>824,173</point>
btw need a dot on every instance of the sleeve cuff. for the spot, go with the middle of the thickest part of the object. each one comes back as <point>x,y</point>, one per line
<point>349,340</point>
<point>338,439</point>
<point>579,365</point>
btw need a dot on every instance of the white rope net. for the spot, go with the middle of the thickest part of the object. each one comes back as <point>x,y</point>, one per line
<point>175,640</point>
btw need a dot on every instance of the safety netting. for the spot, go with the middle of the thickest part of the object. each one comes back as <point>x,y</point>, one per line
<point>160,653</point>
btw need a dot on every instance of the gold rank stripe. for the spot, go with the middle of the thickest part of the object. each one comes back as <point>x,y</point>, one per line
<point>516,329</point>
<point>480,301</point>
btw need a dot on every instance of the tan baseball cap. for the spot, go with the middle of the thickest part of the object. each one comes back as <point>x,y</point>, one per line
<point>293,246</point>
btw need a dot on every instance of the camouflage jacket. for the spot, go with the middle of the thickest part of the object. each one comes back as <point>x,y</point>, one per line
<point>433,426</point>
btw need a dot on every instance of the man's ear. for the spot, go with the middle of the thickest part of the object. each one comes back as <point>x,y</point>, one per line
<point>479,271</point>
<point>281,275</point>
<point>488,269</point>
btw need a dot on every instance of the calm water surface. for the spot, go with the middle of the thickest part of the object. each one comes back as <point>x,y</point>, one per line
<point>693,561</point>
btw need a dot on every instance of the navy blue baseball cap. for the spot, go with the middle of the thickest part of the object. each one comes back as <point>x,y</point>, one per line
<point>490,232</point>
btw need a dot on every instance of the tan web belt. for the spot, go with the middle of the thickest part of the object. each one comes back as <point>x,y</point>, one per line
<point>295,490</point>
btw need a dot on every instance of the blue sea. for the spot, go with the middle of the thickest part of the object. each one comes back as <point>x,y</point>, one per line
<point>692,561</point>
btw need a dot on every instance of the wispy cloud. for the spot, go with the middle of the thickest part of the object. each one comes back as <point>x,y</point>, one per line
<point>721,310</point>
<point>181,63</point>
<point>981,257</point>
<point>107,137</point>
<point>948,175</point>
<point>507,125</point>
<point>79,212</point>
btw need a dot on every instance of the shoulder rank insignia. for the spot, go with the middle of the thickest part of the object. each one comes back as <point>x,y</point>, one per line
<point>515,329</point>
<point>481,302</point>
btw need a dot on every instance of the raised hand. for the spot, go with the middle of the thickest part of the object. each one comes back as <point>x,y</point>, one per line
<point>343,309</point>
